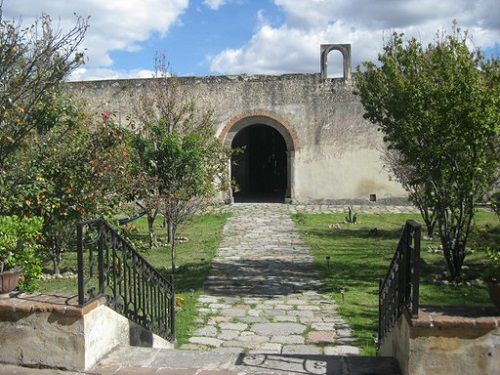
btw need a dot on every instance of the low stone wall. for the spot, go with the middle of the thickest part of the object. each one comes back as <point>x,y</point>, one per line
<point>53,331</point>
<point>446,341</point>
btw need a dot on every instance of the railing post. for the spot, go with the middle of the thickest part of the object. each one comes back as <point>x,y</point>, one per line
<point>100,256</point>
<point>379,334</point>
<point>415,275</point>
<point>79,254</point>
<point>172,308</point>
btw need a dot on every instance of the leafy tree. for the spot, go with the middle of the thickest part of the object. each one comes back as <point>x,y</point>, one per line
<point>438,108</point>
<point>184,161</point>
<point>144,183</point>
<point>34,61</point>
<point>418,191</point>
<point>72,172</point>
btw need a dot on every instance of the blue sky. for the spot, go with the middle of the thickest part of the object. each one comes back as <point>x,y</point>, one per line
<point>201,33</point>
<point>210,37</point>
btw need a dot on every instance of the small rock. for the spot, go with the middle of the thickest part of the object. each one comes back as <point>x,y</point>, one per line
<point>341,350</point>
<point>233,326</point>
<point>300,349</point>
<point>321,337</point>
<point>208,341</point>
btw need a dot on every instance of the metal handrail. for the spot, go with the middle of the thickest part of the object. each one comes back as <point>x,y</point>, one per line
<point>132,286</point>
<point>400,288</point>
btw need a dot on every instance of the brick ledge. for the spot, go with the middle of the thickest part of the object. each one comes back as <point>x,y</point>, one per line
<point>466,322</point>
<point>22,304</point>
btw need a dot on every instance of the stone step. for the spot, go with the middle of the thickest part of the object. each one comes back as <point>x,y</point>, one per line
<point>232,361</point>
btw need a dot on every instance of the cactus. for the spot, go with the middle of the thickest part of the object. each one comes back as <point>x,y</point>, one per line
<point>351,216</point>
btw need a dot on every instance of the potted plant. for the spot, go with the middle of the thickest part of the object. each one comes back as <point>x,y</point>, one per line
<point>17,251</point>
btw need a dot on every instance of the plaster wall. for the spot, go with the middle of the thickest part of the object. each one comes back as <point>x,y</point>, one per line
<point>397,343</point>
<point>105,330</point>
<point>336,152</point>
<point>43,339</point>
<point>72,339</point>
<point>459,349</point>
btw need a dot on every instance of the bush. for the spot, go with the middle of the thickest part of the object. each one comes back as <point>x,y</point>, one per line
<point>19,247</point>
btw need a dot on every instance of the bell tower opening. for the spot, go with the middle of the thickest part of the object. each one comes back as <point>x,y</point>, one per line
<point>259,165</point>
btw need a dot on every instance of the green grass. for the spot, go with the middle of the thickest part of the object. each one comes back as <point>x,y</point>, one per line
<point>358,261</point>
<point>194,259</point>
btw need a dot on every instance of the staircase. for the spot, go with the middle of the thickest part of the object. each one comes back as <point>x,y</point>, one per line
<point>109,266</point>
<point>234,362</point>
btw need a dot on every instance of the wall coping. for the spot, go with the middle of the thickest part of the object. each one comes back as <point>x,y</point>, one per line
<point>66,305</point>
<point>456,321</point>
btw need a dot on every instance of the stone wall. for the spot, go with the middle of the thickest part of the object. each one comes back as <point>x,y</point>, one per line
<point>49,331</point>
<point>335,153</point>
<point>446,341</point>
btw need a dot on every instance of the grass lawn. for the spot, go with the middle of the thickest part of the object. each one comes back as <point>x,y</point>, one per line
<point>358,261</point>
<point>194,258</point>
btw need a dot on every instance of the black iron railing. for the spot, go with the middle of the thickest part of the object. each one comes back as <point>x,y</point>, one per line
<point>109,266</point>
<point>398,292</point>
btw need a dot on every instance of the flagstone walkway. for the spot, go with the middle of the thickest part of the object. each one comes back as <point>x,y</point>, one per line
<point>263,293</point>
<point>263,312</point>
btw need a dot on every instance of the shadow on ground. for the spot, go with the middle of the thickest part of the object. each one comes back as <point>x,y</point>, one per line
<point>263,277</point>
<point>316,364</point>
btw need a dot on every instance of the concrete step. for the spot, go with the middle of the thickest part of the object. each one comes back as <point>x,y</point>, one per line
<point>132,360</point>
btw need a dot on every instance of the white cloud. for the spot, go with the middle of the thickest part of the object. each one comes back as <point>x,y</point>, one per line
<point>294,45</point>
<point>214,4</point>
<point>95,74</point>
<point>114,24</point>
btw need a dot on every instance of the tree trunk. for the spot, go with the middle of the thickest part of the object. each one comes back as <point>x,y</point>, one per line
<point>56,255</point>
<point>151,233</point>
<point>453,239</point>
<point>172,245</point>
<point>170,231</point>
<point>430,223</point>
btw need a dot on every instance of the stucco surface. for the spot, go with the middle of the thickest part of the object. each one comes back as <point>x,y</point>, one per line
<point>336,152</point>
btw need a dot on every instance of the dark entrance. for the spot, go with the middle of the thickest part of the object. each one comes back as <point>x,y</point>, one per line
<point>259,169</point>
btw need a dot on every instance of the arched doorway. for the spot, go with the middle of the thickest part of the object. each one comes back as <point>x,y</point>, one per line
<point>259,167</point>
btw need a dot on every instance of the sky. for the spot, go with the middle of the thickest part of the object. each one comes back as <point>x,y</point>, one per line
<point>214,37</point>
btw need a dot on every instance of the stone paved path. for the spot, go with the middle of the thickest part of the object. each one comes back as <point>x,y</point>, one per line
<point>263,293</point>
<point>262,313</point>
<point>369,208</point>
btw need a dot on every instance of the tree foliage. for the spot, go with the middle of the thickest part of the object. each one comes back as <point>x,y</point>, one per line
<point>438,108</point>
<point>178,151</point>
<point>418,191</point>
<point>19,248</point>
<point>33,61</point>
<point>71,172</point>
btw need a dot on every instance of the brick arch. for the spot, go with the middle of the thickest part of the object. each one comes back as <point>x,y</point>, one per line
<point>260,116</point>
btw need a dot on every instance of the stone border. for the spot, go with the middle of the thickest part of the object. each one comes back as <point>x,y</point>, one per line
<point>54,331</point>
<point>442,340</point>
<point>23,304</point>
<point>460,322</point>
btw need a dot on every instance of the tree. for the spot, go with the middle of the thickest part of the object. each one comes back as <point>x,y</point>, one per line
<point>438,108</point>
<point>73,171</point>
<point>34,61</point>
<point>418,191</point>
<point>144,183</point>
<point>179,151</point>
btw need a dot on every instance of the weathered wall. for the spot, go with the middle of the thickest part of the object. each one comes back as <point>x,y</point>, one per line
<point>40,331</point>
<point>442,343</point>
<point>337,151</point>
<point>397,343</point>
